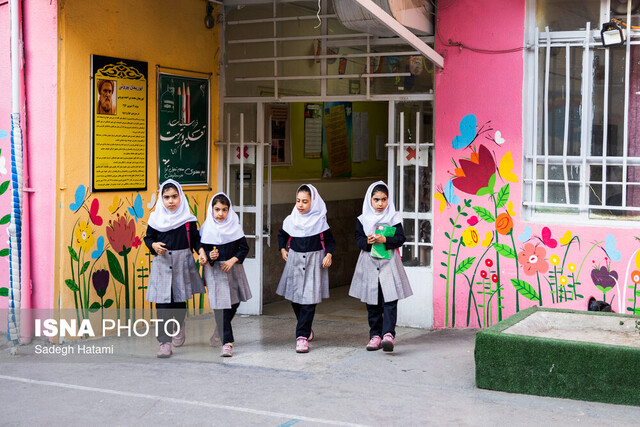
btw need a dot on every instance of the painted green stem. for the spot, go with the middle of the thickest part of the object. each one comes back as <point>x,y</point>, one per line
<point>446,309</point>
<point>471,294</point>
<point>539,289</point>
<point>495,212</point>
<point>513,242</point>
<point>453,296</point>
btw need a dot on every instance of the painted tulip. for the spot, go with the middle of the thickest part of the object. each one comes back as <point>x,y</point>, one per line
<point>474,174</point>
<point>100,279</point>
<point>121,233</point>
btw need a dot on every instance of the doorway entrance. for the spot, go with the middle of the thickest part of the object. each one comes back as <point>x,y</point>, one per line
<point>402,130</point>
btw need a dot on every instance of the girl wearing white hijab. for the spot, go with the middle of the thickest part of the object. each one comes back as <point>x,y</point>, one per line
<point>172,234</point>
<point>307,245</point>
<point>380,282</point>
<point>223,248</point>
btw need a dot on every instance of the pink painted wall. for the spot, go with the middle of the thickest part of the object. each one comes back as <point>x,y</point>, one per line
<point>566,262</point>
<point>40,38</point>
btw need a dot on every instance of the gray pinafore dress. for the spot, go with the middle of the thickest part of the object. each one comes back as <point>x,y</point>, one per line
<point>388,272</point>
<point>175,270</point>
<point>303,280</point>
<point>226,289</point>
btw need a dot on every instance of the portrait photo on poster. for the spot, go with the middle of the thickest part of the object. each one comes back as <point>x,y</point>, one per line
<point>106,97</point>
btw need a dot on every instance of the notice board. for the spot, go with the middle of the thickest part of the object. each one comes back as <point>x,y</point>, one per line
<point>119,125</point>
<point>183,129</point>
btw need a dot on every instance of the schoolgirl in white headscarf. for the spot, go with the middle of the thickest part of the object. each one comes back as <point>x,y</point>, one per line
<point>172,234</point>
<point>223,248</point>
<point>307,245</point>
<point>379,279</point>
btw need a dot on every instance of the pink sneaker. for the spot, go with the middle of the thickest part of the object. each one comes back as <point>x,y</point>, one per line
<point>374,343</point>
<point>164,351</point>
<point>387,342</point>
<point>311,336</point>
<point>302,345</point>
<point>227,350</point>
<point>178,340</point>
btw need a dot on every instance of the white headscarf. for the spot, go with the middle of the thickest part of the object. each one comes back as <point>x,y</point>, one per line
<point>219,233</point>
<point>370,217</point>
<point>164,220</point>
<point>313,222</point>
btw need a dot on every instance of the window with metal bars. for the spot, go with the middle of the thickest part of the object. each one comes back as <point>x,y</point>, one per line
<point>582,153</point>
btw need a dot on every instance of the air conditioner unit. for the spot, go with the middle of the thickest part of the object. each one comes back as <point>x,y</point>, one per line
<point>413,14</point>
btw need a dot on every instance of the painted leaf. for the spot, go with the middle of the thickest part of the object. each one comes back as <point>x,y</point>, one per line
<point>484,214</point>
<point>505,250</point>
<point>114,267</point>
<point>108,303</point>
<point>84,267</point>
<point>503,196</point>
<point>443,276</point>
<point>94,307</point>
<point>5,219</point>
<point>525,289</point>
<point>4,252</point>
<point>72,285</point>
<point>74,255</point>
<point>489,188</point>
<point>4,292</point>
<point>3,187</point>
<point>465,264</point>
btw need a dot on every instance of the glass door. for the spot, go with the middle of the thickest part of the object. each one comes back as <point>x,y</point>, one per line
<point>241,176</point>
<point>410,171</point>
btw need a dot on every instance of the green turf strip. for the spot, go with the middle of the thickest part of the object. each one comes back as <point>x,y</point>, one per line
<point>557,368</point>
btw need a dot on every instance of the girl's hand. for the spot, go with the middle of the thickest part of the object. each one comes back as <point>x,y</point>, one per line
<point>159,247</point>
<point>326,261</point>
<point>376,238</point>
<point>226,266</point>
<point>214,254</point>
<point>285,253</point>
<point>202,259</point>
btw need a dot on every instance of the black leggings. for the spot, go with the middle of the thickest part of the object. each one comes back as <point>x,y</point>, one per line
<point>223,322</point>
<point>304,314</point>
<point>170,310</point>
<point>382,316</point>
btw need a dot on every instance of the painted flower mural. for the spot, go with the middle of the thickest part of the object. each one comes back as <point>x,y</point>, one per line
<point>532,259</point>
<point>475,173</point>
<point>121,233</point>
<point>605,279</point>
<point>84,237</point>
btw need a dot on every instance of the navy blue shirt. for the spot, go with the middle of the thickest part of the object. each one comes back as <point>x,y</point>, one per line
<point>238,248</point>
<point>393,242</point>
<point>175,239</point>
<point>307,244</point>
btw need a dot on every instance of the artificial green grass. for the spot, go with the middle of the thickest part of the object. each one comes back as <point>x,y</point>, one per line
<point>558,368</point>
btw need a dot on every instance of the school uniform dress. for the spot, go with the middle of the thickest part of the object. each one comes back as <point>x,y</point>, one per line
<point>226,290</point>
<point>378,282</point>
<point>304,282</point>
<point>174,276</point>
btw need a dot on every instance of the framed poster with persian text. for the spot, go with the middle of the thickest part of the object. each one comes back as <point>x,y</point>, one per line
<point>119,134</point>
<point>183,128</point>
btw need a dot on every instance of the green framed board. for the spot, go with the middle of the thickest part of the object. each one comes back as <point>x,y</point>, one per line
<point>183,129</point>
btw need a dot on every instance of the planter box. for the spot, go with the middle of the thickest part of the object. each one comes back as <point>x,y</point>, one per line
<point>562,353</point>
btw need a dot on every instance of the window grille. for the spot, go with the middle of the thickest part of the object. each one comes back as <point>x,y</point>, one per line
<point>582,155</point>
